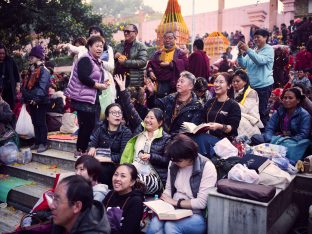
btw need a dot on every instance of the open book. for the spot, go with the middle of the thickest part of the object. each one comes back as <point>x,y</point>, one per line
<point>193,128</point>
<point>165,211</point>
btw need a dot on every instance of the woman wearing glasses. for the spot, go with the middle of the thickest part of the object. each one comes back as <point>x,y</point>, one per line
<point>109,140</point>
<point>146,150</point>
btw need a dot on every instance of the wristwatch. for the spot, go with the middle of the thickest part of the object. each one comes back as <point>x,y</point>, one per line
<point>179,203</point>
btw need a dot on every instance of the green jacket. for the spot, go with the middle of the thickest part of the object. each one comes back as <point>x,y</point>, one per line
<point>136,61</point>
<point>128,153</point>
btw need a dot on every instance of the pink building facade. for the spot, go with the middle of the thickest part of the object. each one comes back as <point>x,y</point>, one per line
<point>239,18</point>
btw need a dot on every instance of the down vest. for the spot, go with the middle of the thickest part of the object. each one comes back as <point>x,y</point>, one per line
<point>158,158</point>
<point>78,91</point>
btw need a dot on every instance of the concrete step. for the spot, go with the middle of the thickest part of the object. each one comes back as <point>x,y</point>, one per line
<point>38,172</point>
<point>10,219</point>
<point>68,146</point>
<point>62,159</point>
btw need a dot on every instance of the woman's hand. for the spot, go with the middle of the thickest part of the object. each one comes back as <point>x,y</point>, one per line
<point>92,152</point>
<point>102,86</point>
<point>215,126</point>
<point>242,46</point>
<point>120,81</point>
<point>145,156</point>
<point>150,86</point>
<point>117,55</point>
<point>168,199</point>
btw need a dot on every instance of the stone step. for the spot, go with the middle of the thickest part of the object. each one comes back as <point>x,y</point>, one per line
<point>68,146</point>
<point>25,197</point>
<point>38,172</point>
<point>63,159</point>
<point>10,219</point>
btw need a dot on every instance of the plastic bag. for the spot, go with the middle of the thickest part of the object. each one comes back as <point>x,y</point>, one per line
<point>269,150</point>
<point>24,125</point>
<point>24,156</point>
<point>9,153</point>
<point>108,95</point>
<point>224,149</point>
<point>241,173</point>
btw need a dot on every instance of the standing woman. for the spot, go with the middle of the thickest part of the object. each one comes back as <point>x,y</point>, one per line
<point>248,101</point>
<point>223,115</point>
<point>35,94</point>
<point>84,89</point>
<point>124,204</point>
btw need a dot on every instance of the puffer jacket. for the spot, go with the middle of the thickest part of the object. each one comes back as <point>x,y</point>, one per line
<point>300,124</point>
<point>78,91</point>
<point>136,61</point>
<point>158,159</point>
<point>102,138</point>
<point>190,113</point>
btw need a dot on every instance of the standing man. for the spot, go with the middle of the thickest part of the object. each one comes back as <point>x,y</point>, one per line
<point>131,57</point>
<point>74,211</point>
<point>9,77</point>
<point>259,65</point>
<point>166,65</point>
<point>199,61</point>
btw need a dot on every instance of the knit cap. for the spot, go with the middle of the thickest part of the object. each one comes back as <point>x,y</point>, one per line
<point>37,52</point>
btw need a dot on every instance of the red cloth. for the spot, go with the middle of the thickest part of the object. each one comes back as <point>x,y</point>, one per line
<point>199,64</point>
<point>303,60</point>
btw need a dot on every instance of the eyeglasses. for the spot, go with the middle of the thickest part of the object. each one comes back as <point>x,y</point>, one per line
<point>115,113</point>
<point>128,31</point>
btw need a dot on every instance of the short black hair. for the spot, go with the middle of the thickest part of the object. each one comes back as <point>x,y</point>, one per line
<point>262,32</point>
<point>94,39</point>
<point>199,43</point>
<point>295,91</point>
<point>159,114</point>
<point>97,29</point>
<point>182,147</point>
<point>111,106</point>
<point>201,85</point>
<point>91,164</point>
<point>135,28</point>
<point>78,189</point>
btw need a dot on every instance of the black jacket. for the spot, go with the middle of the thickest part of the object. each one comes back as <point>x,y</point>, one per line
<point>158,158</point>
<point>190,113</point>
<point>102,138</point>
<point>132,210</point>
<point>91,221</point>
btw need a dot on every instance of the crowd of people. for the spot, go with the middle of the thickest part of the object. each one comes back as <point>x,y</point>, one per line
<point>140,147</point>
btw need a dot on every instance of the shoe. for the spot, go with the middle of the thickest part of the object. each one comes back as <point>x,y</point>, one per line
<point>34,147</point>
<point>77,154</point>
<point>42,148</point>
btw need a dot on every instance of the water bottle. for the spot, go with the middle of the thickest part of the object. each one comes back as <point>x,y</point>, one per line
<point>310,220</point>
<point>156,197</point>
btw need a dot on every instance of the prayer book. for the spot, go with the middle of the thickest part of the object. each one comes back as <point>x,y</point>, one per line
<point>166,211</point>
<point>195,129</point>
<point>255,162</point>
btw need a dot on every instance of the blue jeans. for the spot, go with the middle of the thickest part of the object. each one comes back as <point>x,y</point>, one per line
<point>205,143</point>
<point>264,95</point>
<point>195,224</point>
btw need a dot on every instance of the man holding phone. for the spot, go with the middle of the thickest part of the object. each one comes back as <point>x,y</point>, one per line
<point>259,65</point>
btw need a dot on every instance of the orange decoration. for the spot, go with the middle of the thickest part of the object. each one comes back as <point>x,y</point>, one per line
<point>173,21</point>
<point>215,44</point>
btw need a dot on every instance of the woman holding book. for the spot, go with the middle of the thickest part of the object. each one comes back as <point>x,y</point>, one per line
<point>222,116</point>
<point>109,140</point>
<point>146,150</point>
<point>124,204</point>
<point>248,101</point>
<point>190,176</point>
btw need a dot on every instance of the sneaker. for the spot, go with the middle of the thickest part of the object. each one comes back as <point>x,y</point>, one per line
<point>42,148</point>
<point>34,147</point>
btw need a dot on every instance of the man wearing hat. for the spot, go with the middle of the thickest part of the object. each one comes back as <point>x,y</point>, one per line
<point>35,94</point>
<point>259,65</point>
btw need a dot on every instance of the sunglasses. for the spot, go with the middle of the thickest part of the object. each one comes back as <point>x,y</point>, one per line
<point>127,31</point>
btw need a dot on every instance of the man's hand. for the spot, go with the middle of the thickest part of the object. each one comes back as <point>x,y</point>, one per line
<point>92,152</point>
<point>121,82</point>
<point>164,64</point>
<point>242,46</point>
<point>150,86</point>
<point>152,76</point>
<point>117,55</point>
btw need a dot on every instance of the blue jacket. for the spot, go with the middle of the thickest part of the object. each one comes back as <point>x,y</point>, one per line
<point>300,124</point>
<point>259,66</point>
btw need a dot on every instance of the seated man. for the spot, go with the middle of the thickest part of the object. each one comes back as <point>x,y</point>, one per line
<point>75,211</point>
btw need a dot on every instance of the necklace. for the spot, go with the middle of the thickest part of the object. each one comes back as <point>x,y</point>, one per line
<point>208,112</point>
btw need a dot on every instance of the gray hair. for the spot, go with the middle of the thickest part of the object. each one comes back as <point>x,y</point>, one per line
<point>189,76</point>
<point>170,32</point>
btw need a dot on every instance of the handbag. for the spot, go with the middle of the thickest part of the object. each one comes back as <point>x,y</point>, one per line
<point>274,176</point>
<point>223,166</point>
<point>295,149</point>
<point>255,192</point>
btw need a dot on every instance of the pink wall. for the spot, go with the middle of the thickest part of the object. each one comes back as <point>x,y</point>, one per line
<point>233,19</point>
